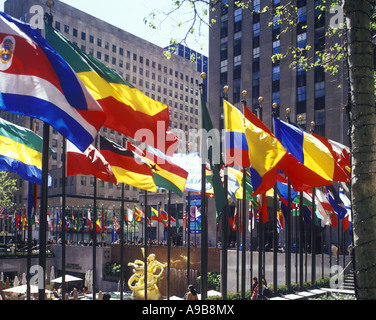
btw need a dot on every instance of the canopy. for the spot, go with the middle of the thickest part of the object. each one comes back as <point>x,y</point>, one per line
<point>23,289</point>
<point>68,278</point>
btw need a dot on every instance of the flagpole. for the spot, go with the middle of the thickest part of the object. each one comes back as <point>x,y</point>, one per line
<point>301,228</point>
<point>188,218</point>
<point>288,228</point>
<point>145,249</point>
<point>94,233</point>
<point>63,204</point>
<point>29,235</point>
<point>313,229</point>
<point>275,231</point>
<point>122,219</point>
<point>261,223</point>
<point>244,217</point>
<point>225,226</point>
<point>204,238</point>
<point>43,211</point>
<point>169,245</point>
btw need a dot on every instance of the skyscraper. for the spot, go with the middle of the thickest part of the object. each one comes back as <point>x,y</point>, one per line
<point>242,43</point>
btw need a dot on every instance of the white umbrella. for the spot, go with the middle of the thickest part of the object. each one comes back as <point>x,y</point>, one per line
<point>68,278</point>
<point>16,282</point>
<point>23,289</point>
<point>52,274</point>
<point>23,280</point>
<point>89,281</point>
<point>2,276</point>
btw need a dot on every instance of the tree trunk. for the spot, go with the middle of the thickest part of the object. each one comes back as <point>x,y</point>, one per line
<point>363,140</point>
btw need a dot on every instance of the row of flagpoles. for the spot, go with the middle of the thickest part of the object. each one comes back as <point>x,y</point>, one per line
<point>82,129</point>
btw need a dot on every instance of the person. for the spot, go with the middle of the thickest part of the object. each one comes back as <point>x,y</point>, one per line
<point>192,293</point>
<point>254,288</point>
<point>265,290</point>
<point>334,249</point>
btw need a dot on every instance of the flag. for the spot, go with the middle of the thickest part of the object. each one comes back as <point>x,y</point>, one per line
<point>98,225</point>
<point>191,163</point>
<point>24,221</point>
<point>163,217</point>
<point>73,220</point>
<point>235,186</point>
<point>17,220</point>
<point>115,223</point>
<point>89,162</point>
<point>159,215</point>
<point>138,215</point>
<point>103,225</point>
<point>347,220</point>
<point>21,151</point>
<point>283,191</point>
<point>212,153</point>
<point>58,220</point>
<point>280,220</point>
<point>301,177</point>
<point>118,98</point>
<point>89,220</point>
<point>264,152</point>
<point>154,214</point>
<point>166,173</point>
<point>237,152</point>
<point>129,217</point>
<point>324,210</point>
<point>340,153</point>
<point>309,151</point>
<point>36,81</point>
<point>263,207</point>
<point>335,201</point>
<point>127,166</point>
<point>49,220</point>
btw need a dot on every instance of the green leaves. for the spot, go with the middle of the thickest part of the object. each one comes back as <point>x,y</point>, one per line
<point>8,187</point>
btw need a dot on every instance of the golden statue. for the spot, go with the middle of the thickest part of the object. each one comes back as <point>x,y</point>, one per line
<point>136,282</point>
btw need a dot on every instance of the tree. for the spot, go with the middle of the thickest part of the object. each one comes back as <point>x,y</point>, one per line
<point>358,50</point>
<point>7,190</point>
<point>363,139</point>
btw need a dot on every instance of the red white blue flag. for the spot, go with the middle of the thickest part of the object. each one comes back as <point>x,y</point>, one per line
<point>36,81</point>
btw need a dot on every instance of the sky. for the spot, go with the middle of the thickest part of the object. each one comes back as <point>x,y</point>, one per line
<point>129,15</point>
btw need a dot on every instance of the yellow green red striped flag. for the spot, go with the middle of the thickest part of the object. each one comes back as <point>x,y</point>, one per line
<point>127,108</point>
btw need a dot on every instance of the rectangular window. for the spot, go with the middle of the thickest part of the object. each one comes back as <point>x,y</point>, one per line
<point>320,89</point>
<point>302,94</point>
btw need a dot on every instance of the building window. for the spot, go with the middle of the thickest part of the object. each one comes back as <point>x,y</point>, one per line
<point>302,94</point>
<point>66,29</point>
<point>83,36</point>
<point>57,25</point>
<point>75,32</point>
<point>320,89</point>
